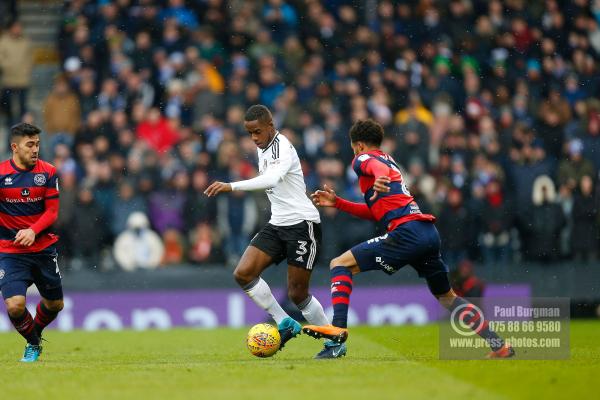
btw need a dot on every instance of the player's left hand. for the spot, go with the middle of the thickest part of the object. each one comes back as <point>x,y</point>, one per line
<point>217,187</point>
<point>25,237</point>
<point>380,186</point>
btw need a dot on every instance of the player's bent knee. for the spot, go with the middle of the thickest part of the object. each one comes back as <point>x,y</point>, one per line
<point>55,305</point>
<point>337,262</point>
<point>15,308</point>
<point>345,260</point>
<point>242,277</point>
<point>298,295</point>
<point>447,299</point>
<point>439,285</point>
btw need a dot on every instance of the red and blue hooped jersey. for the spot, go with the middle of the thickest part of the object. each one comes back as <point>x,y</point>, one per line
<point>395,207</point>
<point>23,195</point>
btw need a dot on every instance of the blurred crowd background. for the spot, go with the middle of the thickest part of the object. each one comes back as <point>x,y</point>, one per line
<point>492,109</point>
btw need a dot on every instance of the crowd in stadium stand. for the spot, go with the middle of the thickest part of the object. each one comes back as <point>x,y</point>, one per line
<point>492,109</point>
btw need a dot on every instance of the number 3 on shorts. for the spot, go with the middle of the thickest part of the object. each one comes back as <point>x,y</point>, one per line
<point>302,250</point>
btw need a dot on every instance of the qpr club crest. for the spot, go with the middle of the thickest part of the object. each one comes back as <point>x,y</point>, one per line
<point>39,179</point>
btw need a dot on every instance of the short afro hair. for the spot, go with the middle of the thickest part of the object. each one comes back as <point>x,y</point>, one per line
<point>258,112</point>
<point>24,130</point>
<point>367,131</point>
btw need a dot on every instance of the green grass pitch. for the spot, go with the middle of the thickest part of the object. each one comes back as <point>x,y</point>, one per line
<point>382,362</point>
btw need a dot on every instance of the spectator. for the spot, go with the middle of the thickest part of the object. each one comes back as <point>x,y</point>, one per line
<point>87,97</point>
<point>165,206</point>
<point>142,54</point>
<point>280,17</point>
<point>496,215</point>
<point>202,244</point>
<point>68,201</point>
<point>16,64</point>
<point>88,231</point>
<point>547,221</point>
<point>174,248</point>
<point>105,191</point>
<point>527,165</point>
<point>62,113</point>
<point>464,281</point>
<point>129,202</point>
<point>157,132</point>
<point>109,98</point>
<point>453,223</point>
<point>199,208</point>
<point>554,114</point>
<point>184,16</point>
<point>575,167</point>
<point>591,140</point>
<point>138,246</point>
<point>585,234</point>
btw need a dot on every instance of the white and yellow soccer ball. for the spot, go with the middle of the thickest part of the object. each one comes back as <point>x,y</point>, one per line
<point>263,340</point>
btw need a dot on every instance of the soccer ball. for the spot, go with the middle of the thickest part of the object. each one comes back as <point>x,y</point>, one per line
<point>263,340</point>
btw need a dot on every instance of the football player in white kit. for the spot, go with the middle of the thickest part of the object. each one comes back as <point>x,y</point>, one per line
<point>293,233</point>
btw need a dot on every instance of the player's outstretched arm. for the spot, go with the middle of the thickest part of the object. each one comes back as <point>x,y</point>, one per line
<point>217,187</point>
<point>275,172</point>
<point>328,198</point>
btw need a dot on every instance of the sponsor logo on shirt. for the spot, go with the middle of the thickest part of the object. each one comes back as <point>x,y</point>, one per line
<point>414,208</point>
<point>24,200</point>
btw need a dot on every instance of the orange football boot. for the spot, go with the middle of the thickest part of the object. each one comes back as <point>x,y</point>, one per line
<point>333,333</point>
<point>505,351</point>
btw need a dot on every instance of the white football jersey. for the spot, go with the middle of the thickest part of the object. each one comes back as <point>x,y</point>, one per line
<point>281,174</point>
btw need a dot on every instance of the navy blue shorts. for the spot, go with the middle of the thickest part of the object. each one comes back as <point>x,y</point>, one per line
<point>416,243</point>
<point>19,271</point>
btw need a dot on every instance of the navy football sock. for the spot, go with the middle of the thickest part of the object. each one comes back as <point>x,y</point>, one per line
<point>341,287</point>
<point>471,317</point>
<point>43,317</point>
<point>24,325</point>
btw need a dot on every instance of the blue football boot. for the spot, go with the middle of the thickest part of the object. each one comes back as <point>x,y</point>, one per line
<point>32,353</point>
<point>332,350</point>
<point>288,329</point>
